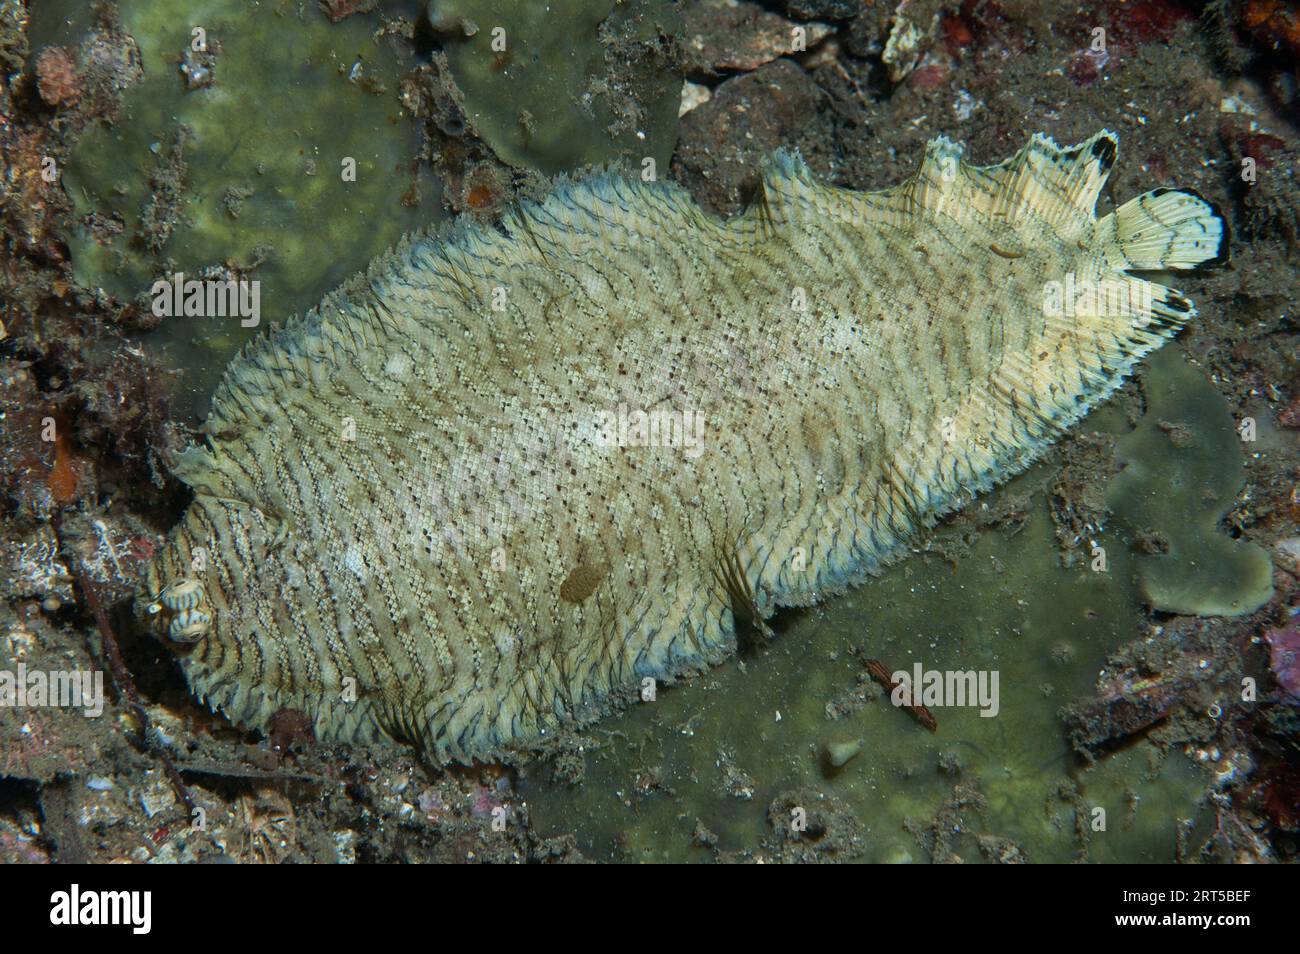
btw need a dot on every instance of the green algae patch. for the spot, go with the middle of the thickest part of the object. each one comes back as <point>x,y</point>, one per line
<point>554,88</point>
<point>1183,470</point>
<point>277,151</point>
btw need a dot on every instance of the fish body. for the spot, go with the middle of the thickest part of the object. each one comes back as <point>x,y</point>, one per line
<point>510,471</point>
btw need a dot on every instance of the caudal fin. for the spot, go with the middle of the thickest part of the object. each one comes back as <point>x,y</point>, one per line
<point>1164,229</point>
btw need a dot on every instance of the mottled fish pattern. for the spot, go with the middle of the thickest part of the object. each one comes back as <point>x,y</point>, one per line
<point>430,509</point>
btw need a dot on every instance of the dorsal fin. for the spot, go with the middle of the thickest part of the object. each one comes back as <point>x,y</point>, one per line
<point>1058,186</point>
<point>1053,183</point>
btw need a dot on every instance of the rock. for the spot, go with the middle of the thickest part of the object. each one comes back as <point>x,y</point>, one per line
<point>725,35</point>
<point>723,141</point>
<point>825,9</point>
<point>1284,656</point>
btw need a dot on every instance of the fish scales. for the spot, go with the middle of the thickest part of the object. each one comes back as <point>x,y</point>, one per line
<point>416,515</point>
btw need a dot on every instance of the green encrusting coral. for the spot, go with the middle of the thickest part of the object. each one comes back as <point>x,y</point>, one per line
<point>1183,472</point>
<point>246,173</point>
<point>554,87</point>
<point>229,161</point>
